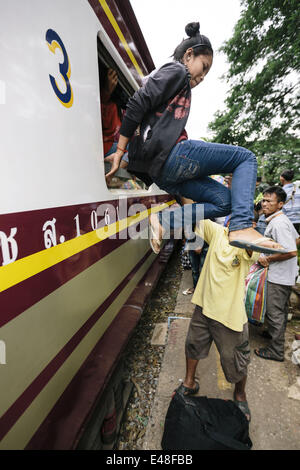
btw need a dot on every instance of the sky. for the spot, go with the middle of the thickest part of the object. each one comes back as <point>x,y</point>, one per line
<point>163,25</point>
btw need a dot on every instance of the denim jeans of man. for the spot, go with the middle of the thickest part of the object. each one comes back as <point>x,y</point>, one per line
<point>186,173</point>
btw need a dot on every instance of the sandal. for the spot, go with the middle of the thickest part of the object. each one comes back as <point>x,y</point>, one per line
<point>187,390</point>
<point>266,334</point>
<point>244,407</point>
<point>264,353</point>
<point>256,245</point>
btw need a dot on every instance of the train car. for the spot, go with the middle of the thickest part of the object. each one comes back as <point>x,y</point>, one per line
<point>76,267</point>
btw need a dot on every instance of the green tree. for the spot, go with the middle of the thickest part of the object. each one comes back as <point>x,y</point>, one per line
<point>262,107</point>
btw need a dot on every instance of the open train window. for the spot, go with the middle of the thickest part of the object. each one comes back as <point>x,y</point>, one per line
<point>111,113</point>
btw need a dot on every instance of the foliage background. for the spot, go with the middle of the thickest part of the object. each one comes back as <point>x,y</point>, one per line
<point>262,106</point>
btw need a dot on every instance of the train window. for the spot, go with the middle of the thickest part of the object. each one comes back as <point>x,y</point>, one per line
<point>115,90</point>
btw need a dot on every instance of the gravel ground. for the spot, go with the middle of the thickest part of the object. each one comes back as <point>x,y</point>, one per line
<point>143,361</point>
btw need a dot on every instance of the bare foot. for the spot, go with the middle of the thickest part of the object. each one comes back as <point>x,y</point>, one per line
<point>252,236</point>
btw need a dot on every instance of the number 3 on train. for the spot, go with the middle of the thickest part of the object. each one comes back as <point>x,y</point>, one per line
<point>55,41</point>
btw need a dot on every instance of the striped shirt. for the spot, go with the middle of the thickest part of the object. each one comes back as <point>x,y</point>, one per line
<point>281,229</point>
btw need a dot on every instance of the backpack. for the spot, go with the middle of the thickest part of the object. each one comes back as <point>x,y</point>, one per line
<point>201,423</point>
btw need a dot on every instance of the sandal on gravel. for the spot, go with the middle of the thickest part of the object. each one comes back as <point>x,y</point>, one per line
<point>187,390</point>
<point>266,334</point>
<point>154,239</point>
<point>244,407</point>
<point>264,353</point>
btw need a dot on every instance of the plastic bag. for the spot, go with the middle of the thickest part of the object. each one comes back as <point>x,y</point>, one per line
<point>256,292</point>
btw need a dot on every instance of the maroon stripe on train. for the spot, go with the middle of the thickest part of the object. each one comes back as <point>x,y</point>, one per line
<point>16,410</point>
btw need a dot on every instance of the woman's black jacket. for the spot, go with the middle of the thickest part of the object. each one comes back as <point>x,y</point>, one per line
<point>156,115</point>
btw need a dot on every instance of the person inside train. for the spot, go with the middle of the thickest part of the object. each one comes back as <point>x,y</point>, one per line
<point>161,152</point>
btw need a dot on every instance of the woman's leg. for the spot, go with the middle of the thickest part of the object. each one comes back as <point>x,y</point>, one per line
<point>191,161</point>
<point>188,215</point>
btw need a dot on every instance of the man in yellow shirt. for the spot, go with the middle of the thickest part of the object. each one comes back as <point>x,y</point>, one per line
<point>220,314</point>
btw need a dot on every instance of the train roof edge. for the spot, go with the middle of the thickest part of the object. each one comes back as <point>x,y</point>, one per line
<point>127,13</point>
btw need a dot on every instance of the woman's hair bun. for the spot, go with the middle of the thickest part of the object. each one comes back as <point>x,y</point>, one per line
<point>192,29</point>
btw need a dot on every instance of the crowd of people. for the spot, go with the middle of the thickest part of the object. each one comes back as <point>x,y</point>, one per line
<point>153,144</point>
<point>223,319</point>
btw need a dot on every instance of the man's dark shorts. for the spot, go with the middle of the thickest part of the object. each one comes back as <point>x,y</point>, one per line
<point>233,346</point>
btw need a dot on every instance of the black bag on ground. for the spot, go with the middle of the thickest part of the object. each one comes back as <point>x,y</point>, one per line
<point>201,423</point>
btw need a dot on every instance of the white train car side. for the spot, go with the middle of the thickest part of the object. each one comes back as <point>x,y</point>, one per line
<point>68,269</point>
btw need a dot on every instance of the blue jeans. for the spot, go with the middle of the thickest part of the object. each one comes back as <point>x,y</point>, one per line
<point>186,173</point>
<point>197,262</point>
